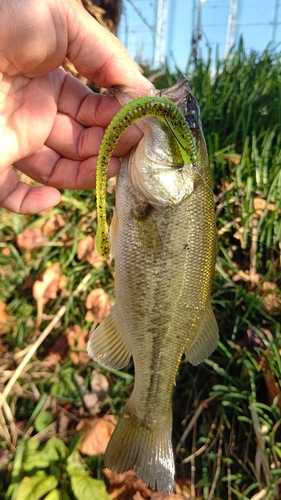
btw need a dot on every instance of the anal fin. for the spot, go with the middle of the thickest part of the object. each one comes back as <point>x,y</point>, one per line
<point>206,340</point>
<point>107,345</point>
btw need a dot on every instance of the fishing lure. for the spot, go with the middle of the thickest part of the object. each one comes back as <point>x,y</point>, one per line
<point>142,107</point>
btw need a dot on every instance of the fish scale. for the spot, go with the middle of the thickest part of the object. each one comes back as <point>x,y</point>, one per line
<point>165,252</point>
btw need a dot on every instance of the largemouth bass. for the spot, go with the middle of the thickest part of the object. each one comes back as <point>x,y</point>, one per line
<point>163,238</point>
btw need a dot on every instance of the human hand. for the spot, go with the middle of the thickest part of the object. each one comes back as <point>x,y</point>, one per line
<point>51,124</point>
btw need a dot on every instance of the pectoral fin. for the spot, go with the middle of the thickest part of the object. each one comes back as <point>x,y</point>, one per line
<point>107,345</point>
<point>206,340</point>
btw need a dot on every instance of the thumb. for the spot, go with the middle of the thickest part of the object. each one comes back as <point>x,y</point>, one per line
<point>98,55</point>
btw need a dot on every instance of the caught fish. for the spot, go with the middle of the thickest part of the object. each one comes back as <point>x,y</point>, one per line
<point>163,238</point>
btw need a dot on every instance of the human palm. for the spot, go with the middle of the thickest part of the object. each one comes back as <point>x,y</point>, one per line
<point>28,112</point>
<point>51,124</point>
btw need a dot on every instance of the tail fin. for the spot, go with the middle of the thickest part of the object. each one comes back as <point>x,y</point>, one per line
<point>145,450</point>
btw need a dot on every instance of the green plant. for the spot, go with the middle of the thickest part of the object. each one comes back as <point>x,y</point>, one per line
<point>51,471</point>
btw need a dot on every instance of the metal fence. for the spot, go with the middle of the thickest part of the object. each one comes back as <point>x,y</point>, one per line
<point>159,31</point>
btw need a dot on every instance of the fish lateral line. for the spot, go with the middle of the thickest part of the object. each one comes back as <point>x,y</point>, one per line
<point>161,108</point>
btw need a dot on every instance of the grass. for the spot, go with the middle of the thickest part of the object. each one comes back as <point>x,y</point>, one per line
<point>227,411</point>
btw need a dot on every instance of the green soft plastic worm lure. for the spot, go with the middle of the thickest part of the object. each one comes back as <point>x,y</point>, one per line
<point>142,107</point>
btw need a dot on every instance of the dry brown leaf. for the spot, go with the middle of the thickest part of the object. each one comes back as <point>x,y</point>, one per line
<point>31,238</point>
<point>58,351</point>
<point>128,486</point>
<point>245,276</point>
<point>115,479</point>
<point>182,488</point>
<point>157,495</point>
<point>50,284</point>
<point>251,340</point>
<point>138,496</point>
<point>99,387</point>
<point>273,388</point>
<point>53,224</point>
<point>90,401</point>
<point>271,301</point>
<point>3,350</point>
<point>241,275</point>
<point>97,433</point>
<point>233,158</point>
<point>268,285</point>
<point>98,304</point>
<point>260,204</point>
<point>77,339</point>
<point>99,384</point>
<point>6,251</point>
<point>86,251</point>
<point>3,318</point>
<point>28,282</point>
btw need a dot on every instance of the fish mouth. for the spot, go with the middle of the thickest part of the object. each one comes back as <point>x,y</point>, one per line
<point>180,93</point>
<point>155,166</point>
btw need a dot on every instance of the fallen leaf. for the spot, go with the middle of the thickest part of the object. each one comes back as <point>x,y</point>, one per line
<point>58,351</point>
<point>182,487</point>
<point>28,282</point>
<point>98,304</point>
<point>128,486</point>
<point>273,388</point>
<point>77,339</point>
<point>233,158</point>
<point>157,495</point>
<point>80,382</point>
<point>260,204</point>
<point>138,496</point>
<point>86,251</point>
<point>50,284</point>
<point>245,276</point>
<point>272,303</point>
<point>6,251</point>
<point>3,318</point>
<point>251,340</point>
<point>268,285</point>
<point>31,238</point>
<point>271,297</point>
<point>90,401</point>
<point>97,433</point>
<point>3,350</point>
<point>99,384</point>
<point>98,389</point>
<point>53,224</point>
